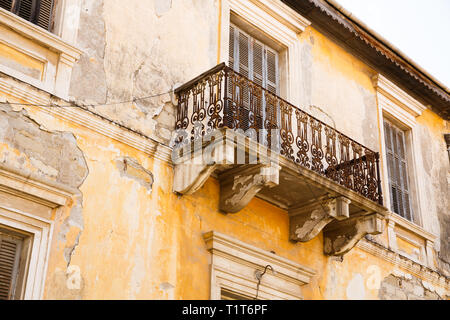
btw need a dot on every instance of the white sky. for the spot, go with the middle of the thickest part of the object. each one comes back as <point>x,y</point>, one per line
<point>419,28</point>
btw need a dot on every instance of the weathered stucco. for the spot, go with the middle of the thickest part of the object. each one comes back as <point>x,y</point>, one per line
<point>125,234</point>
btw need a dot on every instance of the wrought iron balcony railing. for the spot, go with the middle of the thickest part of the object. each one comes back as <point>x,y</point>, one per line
<point>223,98</point>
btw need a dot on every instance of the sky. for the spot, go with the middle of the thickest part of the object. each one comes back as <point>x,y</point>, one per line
<point>418,28</point>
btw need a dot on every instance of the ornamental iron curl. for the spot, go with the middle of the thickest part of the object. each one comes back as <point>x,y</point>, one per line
<point>222,98</point>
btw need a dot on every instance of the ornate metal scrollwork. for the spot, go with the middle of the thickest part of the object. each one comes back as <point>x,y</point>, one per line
<point>330,154</point>
<point>216,103</point>
<point>287,138</point>
<point>316,146</point>
<point>302,139</point>
<point>224,98</point>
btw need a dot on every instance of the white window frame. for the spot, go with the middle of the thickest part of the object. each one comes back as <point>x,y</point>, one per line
<point>400,108</point>
<point>54,49</point>
<point>251,61</point>
<point>52,196</point>
<point>280,23</point>
<point>406,148</point>
<point>233,264</point>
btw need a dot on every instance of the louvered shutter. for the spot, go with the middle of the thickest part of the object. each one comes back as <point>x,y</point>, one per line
<point>272,68</point>
<point>44,19</point>
<point>9,263</point>
<point>397,170</point>
<point>231,45</point>
<point>6,4</point>
<point>39,12</point>
<point>257,62</point>
<point>258,75</point>
<point>244,64</point>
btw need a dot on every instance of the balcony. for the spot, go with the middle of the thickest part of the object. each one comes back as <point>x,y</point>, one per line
<point>257,144</point>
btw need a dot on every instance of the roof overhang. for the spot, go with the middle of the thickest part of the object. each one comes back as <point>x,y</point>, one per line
<point>376,52</point>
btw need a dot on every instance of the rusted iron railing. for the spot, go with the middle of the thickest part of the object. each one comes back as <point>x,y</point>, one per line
<point>223,98</point>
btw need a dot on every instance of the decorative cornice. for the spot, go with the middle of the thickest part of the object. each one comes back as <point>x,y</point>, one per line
<point>408,225</point>
<point>37,33</point>
<point>284,13</point>
<point>236,250</point>
<point>271,19</point>
<point>78,115</point>
<point>42,190</point>
<point>397,96</point>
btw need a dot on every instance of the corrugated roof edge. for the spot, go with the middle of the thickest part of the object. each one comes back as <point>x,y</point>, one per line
<point>379,45</point>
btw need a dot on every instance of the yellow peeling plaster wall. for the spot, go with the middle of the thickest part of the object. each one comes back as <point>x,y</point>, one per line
<point>137,243</point>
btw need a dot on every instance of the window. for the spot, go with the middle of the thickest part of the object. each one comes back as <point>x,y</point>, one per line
<point>253,59</point>
<point>397,170</point>
<point>13,258</point>
<point>257,62</point>
<point>39,12</point>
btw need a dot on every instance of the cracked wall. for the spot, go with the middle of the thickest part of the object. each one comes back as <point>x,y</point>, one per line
<point>406,287</point>
<point>434,168</point>
<point>139,51</point>
<point>30,148</point>
<point>337,87</point>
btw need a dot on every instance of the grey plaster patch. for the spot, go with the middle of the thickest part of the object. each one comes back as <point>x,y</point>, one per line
<point>306,74</point>
<point>162,7</point>
<point>369,123</point>
<point>401,288</point>
<point>90,68</point>
<point>54,154</point>
<point>131,168</point>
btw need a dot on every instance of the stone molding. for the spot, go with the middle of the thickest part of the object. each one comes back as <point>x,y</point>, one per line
<point>233,266</point>
<point>417,269</point>
<point>41,101</point>
<point>58,60</point>
<point>19,216</point>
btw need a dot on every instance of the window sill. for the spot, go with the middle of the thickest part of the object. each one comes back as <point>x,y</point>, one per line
<point>35,56</point>
<point>410,240</point>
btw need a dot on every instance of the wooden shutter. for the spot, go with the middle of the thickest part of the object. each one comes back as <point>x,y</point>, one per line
<point>44,19</point>
<point>231,45</point>
<point>39,12</point>
<point>397,170</point>
<point>9,262</point>
<point>6,4</point>
<point>256,61</point>
<point>272,70</point>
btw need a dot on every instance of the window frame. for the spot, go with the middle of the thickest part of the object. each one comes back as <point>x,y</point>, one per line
<point>401,109</point>
<point>36,229</point>
<point>278,22</point>
<point>406,149</point>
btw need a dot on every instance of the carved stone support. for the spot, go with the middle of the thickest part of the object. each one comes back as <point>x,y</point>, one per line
<point>190,174</point>
<point>239,188</point>
<point>307,221</point>
<point>341,236</point>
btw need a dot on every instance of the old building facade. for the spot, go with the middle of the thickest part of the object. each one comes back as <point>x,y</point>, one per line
<point>217,149</point>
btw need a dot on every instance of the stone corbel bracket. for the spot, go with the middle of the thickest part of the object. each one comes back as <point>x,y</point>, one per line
<point>307,221</point>
<point>341,236</point>
<point>191,172</point>
<point>241,186</point>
